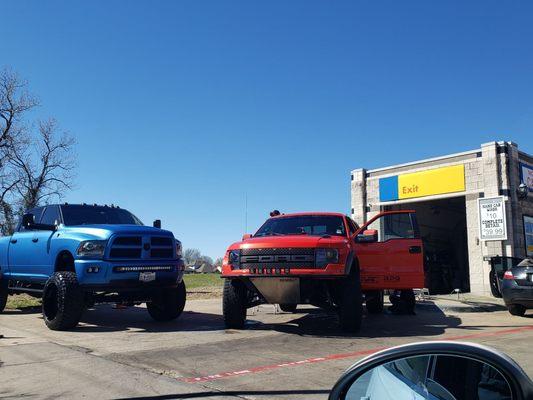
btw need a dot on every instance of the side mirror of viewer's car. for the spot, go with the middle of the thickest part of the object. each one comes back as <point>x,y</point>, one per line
<point>157,224</point>
<point>435,371</point>
<point>246,236</point>
<point>368,236</point>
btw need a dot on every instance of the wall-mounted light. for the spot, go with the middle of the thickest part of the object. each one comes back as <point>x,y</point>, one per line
<point>522,191</point>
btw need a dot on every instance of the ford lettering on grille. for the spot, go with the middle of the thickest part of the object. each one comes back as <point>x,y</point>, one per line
<point>278,258</point>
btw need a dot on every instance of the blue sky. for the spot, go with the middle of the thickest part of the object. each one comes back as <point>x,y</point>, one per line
<point>183,108</point>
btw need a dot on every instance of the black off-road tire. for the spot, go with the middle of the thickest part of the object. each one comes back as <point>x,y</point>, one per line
<point>351,302</point>
<point>408,297</point>
<point>3,294</point>
<point>290,308</point>
<point>374,301</point>
<point>63,301</point>
<point>234,305</point>
<point>168,304</point>
<point>493,280</point>
<point>517,309</point>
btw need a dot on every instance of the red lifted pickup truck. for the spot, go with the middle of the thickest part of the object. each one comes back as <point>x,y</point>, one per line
<point>324,259</point>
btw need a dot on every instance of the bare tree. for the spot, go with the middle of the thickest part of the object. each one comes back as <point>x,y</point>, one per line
<point>15,101</point>
<point>191,256</point>
<point>35,166</point>
<point>7,221</point>
<point>206,260</point>
<point>46,170</point>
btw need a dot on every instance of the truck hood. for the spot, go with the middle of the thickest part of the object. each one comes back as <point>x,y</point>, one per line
<point>289,241</point>
<point>105,231</point>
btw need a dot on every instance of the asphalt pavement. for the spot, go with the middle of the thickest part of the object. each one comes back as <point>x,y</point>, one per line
<point>124,354</point>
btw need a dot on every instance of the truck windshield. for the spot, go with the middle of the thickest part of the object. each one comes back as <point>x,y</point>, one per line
<point>303,225</point>
<point>93,215</point>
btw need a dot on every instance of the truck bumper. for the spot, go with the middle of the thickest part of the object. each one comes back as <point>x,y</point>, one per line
<point>513,293</point>
<point>101,275</point>
<point>291,289</point>
<point>331,270</point>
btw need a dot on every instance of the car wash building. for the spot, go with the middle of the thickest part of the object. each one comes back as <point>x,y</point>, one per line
<point>471,207</point>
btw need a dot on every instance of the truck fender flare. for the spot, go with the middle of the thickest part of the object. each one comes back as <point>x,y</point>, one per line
<point>62,261</point>
<point>351,261</point>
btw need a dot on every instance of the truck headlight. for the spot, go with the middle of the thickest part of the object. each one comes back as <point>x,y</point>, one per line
<point>92,248</point>
<point>234,258</point>
<point>324,257</point>
<point>179,249</point>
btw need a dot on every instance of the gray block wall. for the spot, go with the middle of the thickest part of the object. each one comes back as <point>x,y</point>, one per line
<point>490,171</point>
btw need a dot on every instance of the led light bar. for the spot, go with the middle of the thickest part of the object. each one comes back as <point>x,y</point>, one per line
<point>151,268</point>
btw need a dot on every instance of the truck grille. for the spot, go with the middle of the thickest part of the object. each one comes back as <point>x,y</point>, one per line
<point>278,258</point>
<point>128,241</point>
<point>161,247</point>
<point>142,248</point>
<point>126,253</point>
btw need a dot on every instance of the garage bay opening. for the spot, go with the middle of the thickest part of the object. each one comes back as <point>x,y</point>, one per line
<point>443,231</point>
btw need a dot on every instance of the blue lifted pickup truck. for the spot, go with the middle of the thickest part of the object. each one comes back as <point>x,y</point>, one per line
<point>76,255</point>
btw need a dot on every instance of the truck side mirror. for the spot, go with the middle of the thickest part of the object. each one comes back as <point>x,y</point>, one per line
<point>368,236</point>
<point>157,224</point>
<point>246,236</point>
<point>28,221</point>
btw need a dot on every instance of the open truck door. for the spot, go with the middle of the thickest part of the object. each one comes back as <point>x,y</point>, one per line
<point>389,251</point>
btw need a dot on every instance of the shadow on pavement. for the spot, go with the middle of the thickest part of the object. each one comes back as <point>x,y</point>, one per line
<point>470,306</point>
<point>106,319</point>
<point>428,321</point>
<point>233,393</point>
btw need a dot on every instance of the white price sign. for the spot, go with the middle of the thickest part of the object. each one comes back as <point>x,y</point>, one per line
<point>492,225</point>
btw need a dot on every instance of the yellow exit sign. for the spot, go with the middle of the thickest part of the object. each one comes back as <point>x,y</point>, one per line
<point>425,183</point>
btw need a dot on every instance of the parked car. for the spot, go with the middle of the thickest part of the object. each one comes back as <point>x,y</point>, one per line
<point>76,255</point>
<point>498,266</point>
<point>517,287</point>
<point>191,268</point>
<point>324,259</point>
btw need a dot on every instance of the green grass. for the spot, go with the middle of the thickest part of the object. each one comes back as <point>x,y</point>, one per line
<point>202,280</point>
<point>22,301</point>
